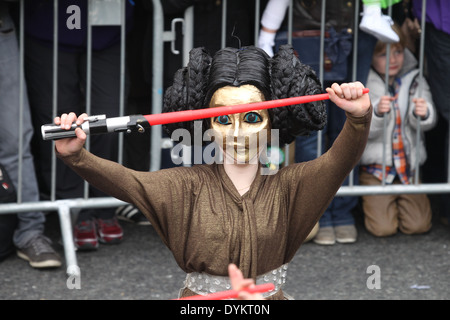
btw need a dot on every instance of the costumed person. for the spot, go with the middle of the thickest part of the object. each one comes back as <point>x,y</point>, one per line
<point>211,215</point>
<point>407,109</point>
<point>92,226</point>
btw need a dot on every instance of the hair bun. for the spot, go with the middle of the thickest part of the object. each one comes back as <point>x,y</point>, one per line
<point>291,78</point>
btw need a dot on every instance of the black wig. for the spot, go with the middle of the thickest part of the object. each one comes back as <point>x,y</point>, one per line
<point>283,76</point>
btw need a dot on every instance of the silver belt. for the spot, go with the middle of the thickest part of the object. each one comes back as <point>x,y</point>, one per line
<point>203,283</point>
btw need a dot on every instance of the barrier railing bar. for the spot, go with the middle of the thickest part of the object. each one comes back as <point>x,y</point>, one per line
<point>87,145</point>
<point>46,206</point>
<point>109,202</point>
<point>122,76</point>
<point>257,21</point>
<point>54,95</point>
<point>67,238</point>
<point>188,45</point>
<point>421,54</point>
<point>354,69</point>
<point>224,23</point>
<point>21,106</point>
<point>157,83</point>
<point>360,190</point>
<point>321,66</point>
<point>290,15</point>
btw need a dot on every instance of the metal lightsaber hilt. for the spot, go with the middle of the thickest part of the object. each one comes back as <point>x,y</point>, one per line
<point>97,125</point>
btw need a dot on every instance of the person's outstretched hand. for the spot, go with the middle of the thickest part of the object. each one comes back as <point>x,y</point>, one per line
<point>70,146</point>
<point>238,283</point>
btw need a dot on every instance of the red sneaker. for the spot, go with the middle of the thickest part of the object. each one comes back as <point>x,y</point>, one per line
<point>85,235</point>
<point>109,231</point>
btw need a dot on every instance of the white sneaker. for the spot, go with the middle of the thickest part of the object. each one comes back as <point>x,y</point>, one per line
<point>325,236</point>
<point>346,234</point>
<point>378,25</point>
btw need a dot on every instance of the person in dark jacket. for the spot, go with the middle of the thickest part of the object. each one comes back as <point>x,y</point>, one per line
<point>92,226</point>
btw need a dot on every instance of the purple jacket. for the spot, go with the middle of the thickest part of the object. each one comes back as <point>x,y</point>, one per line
<point>39,25</point>
<point>437,13</point>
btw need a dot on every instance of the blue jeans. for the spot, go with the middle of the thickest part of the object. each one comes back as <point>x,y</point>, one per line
<point>306,147</point>
<point>30,224</point>
<point>339,212</point>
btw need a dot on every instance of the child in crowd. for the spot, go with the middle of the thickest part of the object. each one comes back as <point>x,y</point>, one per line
<point>407,108</point>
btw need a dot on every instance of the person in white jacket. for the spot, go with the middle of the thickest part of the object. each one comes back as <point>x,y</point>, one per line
<point>407,108</point>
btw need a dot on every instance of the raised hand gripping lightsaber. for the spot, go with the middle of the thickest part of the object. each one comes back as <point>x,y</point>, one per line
<point>139,123</point>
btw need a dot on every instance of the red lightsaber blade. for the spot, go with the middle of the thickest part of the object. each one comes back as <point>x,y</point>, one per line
<point>231,294</point>
<point>189,115</point>
<point>138,123</point>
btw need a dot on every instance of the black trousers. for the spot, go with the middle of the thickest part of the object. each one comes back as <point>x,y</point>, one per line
<point>8,224</point>
<point>71,97</point>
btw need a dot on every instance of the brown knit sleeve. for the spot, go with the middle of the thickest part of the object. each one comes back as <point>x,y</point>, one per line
<point>160,195</point>
<point>312,185</point>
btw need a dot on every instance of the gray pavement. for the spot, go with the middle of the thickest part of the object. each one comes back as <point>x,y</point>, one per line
<point>142,268</point>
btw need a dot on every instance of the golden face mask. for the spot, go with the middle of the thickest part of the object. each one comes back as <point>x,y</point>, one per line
<point>244,135</point>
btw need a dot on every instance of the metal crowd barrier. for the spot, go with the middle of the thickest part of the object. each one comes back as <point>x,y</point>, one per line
<point>63,207</point>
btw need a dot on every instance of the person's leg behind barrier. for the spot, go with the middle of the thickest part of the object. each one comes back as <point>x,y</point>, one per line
<point>380,212</point>
<point>414,213</point>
